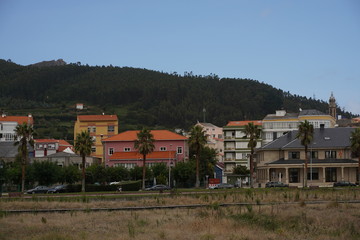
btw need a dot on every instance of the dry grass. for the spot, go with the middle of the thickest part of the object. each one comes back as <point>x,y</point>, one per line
<point>297,221</point>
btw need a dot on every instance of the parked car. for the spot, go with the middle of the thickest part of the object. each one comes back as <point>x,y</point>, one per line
<point>224,186</point>
<point>38,189</point>
<point>58,189</point>
<point>275,184</point>
<point>158,188</point>
<point>344,184</point>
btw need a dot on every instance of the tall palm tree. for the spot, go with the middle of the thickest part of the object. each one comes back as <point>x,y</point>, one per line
<point>83,143</point>
<point>24,134</point>
<point>355,146</point>
<point>145,145</point>
<point>305,135</point>
<point>197,141</point>
<point>252,132</point>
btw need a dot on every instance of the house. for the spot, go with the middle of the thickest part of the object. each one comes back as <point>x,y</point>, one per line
<point>330,159</point>
<point>278,124</point>
<point>215,138</point>
<point>170,148</point>
<point>45,147</point>
<point>79,106</point>
<point>99,127</point>
<point>8,125</point>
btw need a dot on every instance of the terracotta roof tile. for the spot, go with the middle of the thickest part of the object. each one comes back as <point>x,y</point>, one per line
<point>90,118</point>
<point>158,135</point>
<point>18,119</point>
<point>138,156</point>
<point>243,123</point>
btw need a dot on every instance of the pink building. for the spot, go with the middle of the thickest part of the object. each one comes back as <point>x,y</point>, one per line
<point>170,148</point>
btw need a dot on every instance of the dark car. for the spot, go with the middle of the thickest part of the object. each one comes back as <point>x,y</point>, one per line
<point>58,189</point>
<point>224,186</point>
<point>158,188</point>
<point>38,189</point>
<point>276,184</point>
<point>344,184</point>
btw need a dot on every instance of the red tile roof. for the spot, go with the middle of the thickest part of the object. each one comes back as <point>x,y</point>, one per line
<point>90,118</point>
<point>158,135</point>
<point>243,123</point>
<point>138,156</point>
<point>18,119</point>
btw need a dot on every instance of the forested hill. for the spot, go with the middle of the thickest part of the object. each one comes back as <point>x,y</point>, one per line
<point>140,96</point>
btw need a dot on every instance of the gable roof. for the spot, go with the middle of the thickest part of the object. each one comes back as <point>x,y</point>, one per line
<point>243,123</point>
<point>322,138</point>
<point>138,156</point>
<point>158,136</point>
<point>18,119</point>
<point>91,118</point>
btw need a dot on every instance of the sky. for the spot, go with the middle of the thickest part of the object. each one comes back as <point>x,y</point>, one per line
<point>310,48</point>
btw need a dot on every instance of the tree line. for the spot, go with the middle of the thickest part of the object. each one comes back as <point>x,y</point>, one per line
<point>142,97</point>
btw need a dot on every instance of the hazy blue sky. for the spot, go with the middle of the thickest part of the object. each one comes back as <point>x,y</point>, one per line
<point>309,47</point>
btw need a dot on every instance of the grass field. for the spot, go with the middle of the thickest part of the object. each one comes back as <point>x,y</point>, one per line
<point>299,220</point>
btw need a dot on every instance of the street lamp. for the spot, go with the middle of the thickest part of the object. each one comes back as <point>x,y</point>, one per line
<point>170,166</point>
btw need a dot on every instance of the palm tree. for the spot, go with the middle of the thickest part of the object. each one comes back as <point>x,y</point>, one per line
<point>355,146</point>
<point>145,145</point>
<point>252,132</point>
<point>305,135</point>
<point>83,143</point>
<point>24,134</point>
<point>197,141</point>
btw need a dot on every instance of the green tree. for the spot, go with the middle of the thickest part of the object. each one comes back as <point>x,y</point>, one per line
<point>252,132</point>
<point>355,146</point>
<point>207,162</point>
<point>46,173</point>
<point>241,170</point>
<point>69,174</point>
<point>95,173</point>
<point>83,145</point>
<point>24,133</point>
<point>197,141</point>
<point>115,174</point>
<point>145,145</point>
<point>184,173</point>
<point>160,172</point>
<point>305,135</point>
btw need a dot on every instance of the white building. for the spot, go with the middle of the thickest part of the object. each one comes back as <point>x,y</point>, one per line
<point>8,125</point>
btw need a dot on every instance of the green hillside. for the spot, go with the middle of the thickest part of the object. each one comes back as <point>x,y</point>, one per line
<point>138,96</point>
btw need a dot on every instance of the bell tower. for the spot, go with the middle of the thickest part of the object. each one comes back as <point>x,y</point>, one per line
<point>332,106</point>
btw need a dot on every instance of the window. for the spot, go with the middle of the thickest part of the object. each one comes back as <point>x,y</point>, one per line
<point>127,149</point>
<point>93,149</point>
<point>313,154</point>
<point>313,174</point>
<point>111,151</point>
<point>91,129</point>
<point>330,154</point>
<point>125,165</point>
<point>51,146</point>
<point>179,150</point>
<point>111,129</point>
<point>294,155</point>
<point>162,148</point>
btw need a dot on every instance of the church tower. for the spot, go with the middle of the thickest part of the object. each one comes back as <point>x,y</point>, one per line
<point>332,106</point>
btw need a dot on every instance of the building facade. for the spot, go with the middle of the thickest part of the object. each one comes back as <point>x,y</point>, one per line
<point>8,125</point>
<point>282,122</point>
<point>330,159</point>
<point>215,138</point>
<point>45,147</point>
<point>236,151</point>
<point>170,148</point>
<point>99,127</point>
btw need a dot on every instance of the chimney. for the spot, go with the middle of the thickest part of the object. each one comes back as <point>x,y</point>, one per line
<point>3,114</point>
